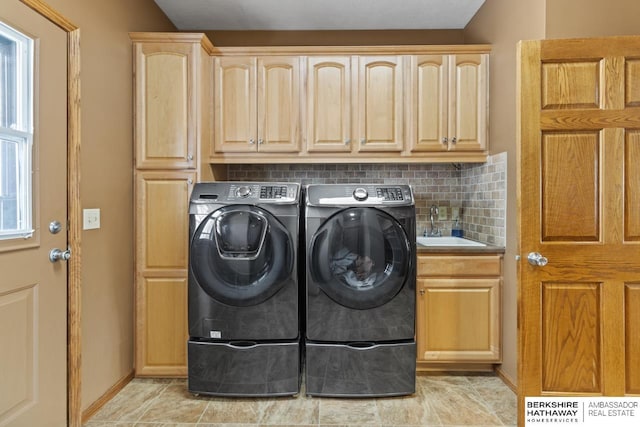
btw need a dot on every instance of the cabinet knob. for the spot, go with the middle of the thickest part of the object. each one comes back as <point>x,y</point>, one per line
<point>363,141</point>
<point>421,291</point>
<point>445,139</point>
<point>260,141</point>
<point>347,142</point>
<point>189,157</point>
<point>454,140</point>
<point>252,141</point>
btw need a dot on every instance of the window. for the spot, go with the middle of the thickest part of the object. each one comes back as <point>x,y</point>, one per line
<point>16,133</point>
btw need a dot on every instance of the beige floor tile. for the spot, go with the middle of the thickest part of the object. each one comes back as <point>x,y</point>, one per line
<point>291,411</point>
<point>460,405</point>
<point>240,410</point>
<point>175,405</point>
<point>349,411</point>
<point>131,402</point>
<point>407,410</point>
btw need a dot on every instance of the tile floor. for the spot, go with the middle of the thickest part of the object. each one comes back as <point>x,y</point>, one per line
<point>438,401</point>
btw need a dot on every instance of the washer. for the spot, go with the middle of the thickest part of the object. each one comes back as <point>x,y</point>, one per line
<point>244,335</point>
<point>360,290</point>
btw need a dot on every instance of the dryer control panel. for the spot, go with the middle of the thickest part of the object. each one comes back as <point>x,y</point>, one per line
<point>359,194</point>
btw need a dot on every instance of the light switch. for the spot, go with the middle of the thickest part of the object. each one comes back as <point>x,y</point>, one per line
<point>91,219</point>
<point>442,213</point>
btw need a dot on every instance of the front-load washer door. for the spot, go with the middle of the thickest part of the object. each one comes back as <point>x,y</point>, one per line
<point>241,255</point>
<point>360,258</point>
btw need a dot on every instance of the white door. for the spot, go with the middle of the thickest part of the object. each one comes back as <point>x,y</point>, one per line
<point>33,194</point>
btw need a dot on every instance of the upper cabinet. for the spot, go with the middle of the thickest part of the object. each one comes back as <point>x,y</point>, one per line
<point>165,89</point>
<point>380,103</point>
<point>256,104</point>
<point>354,104</point>
<point>449,101</point>
<point>328,104</point>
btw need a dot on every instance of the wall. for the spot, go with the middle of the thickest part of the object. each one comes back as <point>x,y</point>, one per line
<point>591,18</point>
<point>107,181</point>
<point>339,38</point>
<point>502,23</point>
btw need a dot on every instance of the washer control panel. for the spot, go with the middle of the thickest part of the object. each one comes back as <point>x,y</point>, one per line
<point>246,192</point>
<point>277,192</point>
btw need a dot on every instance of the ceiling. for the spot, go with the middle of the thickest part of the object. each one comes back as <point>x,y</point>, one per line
<point>285,15</point>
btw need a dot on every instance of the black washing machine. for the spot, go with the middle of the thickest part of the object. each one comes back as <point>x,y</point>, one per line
<point>244,334</point>
<point>360,290</point>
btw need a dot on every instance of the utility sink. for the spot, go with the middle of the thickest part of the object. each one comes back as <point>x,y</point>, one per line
<point>447,241</point>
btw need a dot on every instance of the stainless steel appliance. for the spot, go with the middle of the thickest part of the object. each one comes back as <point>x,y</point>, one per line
<point>244,337</point>
<point>360,290</point>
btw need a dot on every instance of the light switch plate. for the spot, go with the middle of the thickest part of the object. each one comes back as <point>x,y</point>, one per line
<point>91,219</point>
<point>442,213</point>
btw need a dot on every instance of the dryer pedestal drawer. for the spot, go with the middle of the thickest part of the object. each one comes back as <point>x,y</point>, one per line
<point>360,371</point>
<point>264,369</point>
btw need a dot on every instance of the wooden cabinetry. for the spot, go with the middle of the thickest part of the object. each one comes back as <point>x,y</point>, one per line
<point>172,85</point>
<point>257,104</point>
<point>458,315</point>
<point>355,104</point>
<point>449,96</point>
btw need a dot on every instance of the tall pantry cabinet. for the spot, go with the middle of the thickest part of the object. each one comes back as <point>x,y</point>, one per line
<point>172,86</point>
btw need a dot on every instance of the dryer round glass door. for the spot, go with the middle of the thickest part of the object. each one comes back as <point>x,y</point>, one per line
<point>360,257</point>
<point>241,255</point>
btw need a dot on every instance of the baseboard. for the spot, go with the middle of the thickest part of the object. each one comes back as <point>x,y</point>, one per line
<point>506,379</point>
<point>107,396</point>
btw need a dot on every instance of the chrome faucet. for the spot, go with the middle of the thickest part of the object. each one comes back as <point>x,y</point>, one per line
<point>434,232</point>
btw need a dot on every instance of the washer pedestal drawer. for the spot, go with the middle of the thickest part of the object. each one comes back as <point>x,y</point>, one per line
<point>244,369</point>
<point>360,370</point>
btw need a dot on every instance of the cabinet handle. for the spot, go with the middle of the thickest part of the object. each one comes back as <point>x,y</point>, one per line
<point>190,157</point>
<point>454,140</point>
<point>189,181</point>
<point>252,141</point>
<point>260,141</point>
<point>445,139</point>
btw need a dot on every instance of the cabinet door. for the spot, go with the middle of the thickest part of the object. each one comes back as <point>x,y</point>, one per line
<point>235,104</point>
<point>429,92</point>
<point>279,104</point>
<point>468,102</point>
<point>328,126</point>
<point>380,103</point>
<point>458,320</point>
<point>165,104</point>
<point>162,236</point>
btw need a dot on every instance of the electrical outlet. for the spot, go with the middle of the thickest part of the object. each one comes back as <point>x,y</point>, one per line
<point>442,213</point>
<point>91,219</point>
<point>455,213</point>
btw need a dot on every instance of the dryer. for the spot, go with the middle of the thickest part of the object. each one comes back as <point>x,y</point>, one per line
<point>360,290</point>
<point>244,335</point>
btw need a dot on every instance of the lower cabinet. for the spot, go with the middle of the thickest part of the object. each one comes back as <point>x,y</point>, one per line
<point>458,314</point>
<point>162,234</point>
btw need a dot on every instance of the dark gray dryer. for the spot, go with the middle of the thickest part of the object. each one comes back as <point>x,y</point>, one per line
<point>360,290</point>
<point>244,337</point>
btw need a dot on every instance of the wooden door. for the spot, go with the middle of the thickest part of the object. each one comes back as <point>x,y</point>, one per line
<point>328,126</point>
<point>279,104</point>
<point>33,290</point>
<point>468,102</point>
<point>235,104</point>
<point>429,102</point>
<point>165,92</point>
<point>579,192</point>
<point>162,236</point>
<point>380,103</point>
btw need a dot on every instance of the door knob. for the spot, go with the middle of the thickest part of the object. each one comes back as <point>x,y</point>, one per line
<point>57,254</point>
<point>537,259</point>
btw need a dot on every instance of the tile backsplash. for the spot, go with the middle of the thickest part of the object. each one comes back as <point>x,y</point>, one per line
<point>478,190</point>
